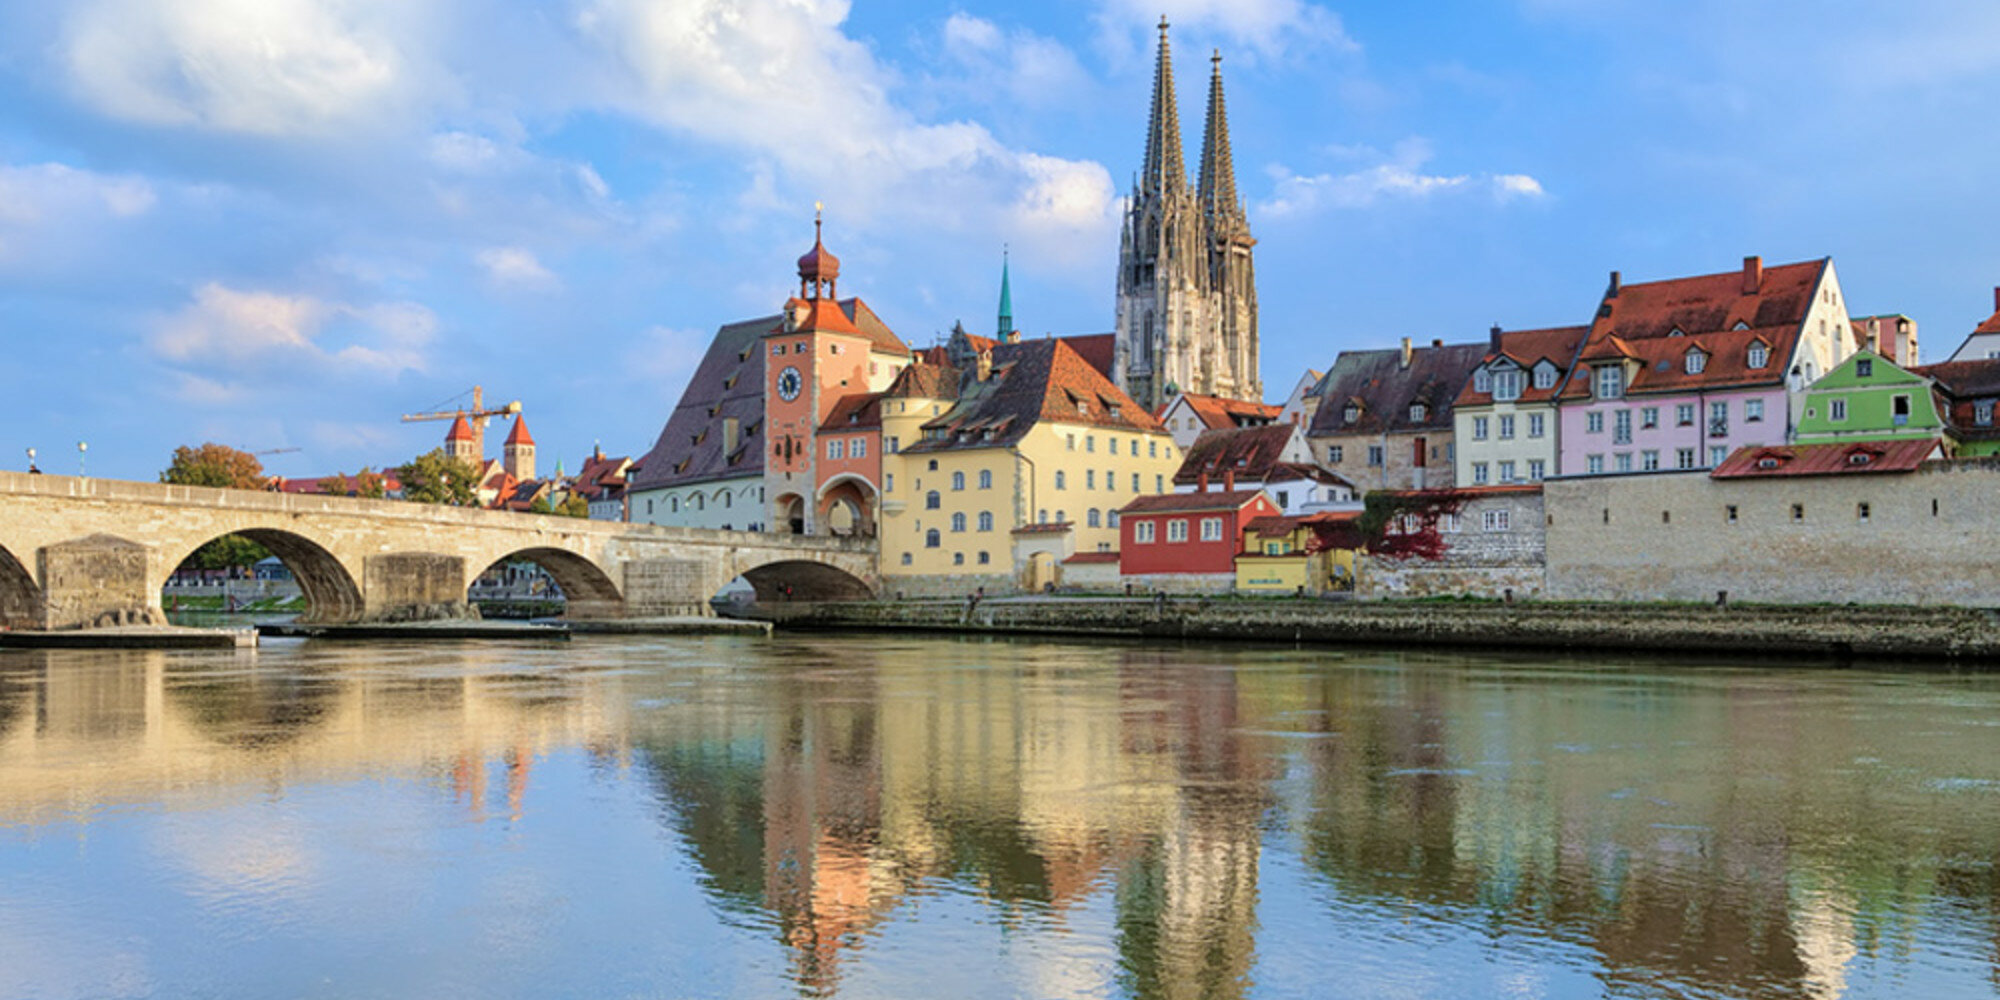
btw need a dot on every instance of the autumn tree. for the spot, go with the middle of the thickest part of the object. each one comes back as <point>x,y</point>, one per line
<point>366,484</point>
<point>574,505</point>
<point>435,477</point>
<point>215,465</point>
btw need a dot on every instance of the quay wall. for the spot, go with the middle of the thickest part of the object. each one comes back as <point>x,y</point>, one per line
<point>1826,632</point>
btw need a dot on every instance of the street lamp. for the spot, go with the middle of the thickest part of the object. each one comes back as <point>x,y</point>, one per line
<point>31,461</point>
<point>81,448</point>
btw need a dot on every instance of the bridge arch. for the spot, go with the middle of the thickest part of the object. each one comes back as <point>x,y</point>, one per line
<point>807,580</point>
<point>20,596</point>
<point>587,589</point>
<point>332,595</point>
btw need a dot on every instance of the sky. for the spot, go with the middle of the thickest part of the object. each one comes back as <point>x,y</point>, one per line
<point>282,224</point>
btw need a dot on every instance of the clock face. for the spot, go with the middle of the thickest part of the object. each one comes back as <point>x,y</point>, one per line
<point>789,384</point>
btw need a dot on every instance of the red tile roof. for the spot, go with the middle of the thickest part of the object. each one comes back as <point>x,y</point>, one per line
<point>1249,452</point>
<point>1835,458</point>
<point>1661,363</point>
<point>1091,558</point>
<point>1045,528</point>
<point>1216,412</point>
<point>854,411</point>
<point>1031,381</point>
<point>460,430</point>
<point>1528,348</point>
<point>1098,350</point>
<point>519,435</point>
<point>1166,503</point>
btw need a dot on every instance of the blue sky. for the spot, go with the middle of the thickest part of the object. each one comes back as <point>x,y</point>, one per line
<point>283,223</point>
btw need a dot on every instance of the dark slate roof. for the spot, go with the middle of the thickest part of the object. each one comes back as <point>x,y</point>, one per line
<point>1252,453</point>
<point>855,411</point>
<point>1384,389</point>
<point>1961,385</point>
<point>1031,381</point>
<point>729,382</point>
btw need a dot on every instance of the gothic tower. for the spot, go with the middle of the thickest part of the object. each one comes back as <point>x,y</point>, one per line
<point>1187,300</point>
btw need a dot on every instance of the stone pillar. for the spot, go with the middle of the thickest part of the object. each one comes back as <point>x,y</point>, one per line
<point>663,587</point>
<point>415,586</point>
<point>97,581</point>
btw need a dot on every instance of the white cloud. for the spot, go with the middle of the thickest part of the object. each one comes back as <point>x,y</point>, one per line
<point>1015,67</point>
<point>265,67</point>
<point>516,267</point>
<point>54,192</point>
<point>227,329</point>
<point>1399,176</point>
<point>1266,27</point>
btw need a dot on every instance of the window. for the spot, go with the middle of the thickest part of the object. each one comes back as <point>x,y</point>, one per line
<point>1352,413</point>
<point>1062,481</point>
<point>1211,529</point>
<point>933,465</point>
<point>1062,517</point>
<point>893,446</point>
<point>1593,464</point>
<point>1090,479</point>
<point>1982,412</point>
<point>1684,415</point>
<point>1110,479</point>
<point>1621,427</point>
<point>1610,382</point>
<point>957,481</point>
<point>1649,461</point>
<point>986,479</point>
<point>933,500</point>
<point>986,520</point>
<point>1142,532</point>
<point>1798,512</point>
<point>1864,368</point>
<point>1135,482</point>
<point>836,448</point>
<point>1094,518</point>
<point>1861,512</point>
<point>1090,442</point>
<point>673,505</point>
<point>1545,376</point>
<point>1507,472</point>
<point>1624,461</point>
<point>1177,530</point>
<point>1112,443</point>
<point>1753,410</point>
<point>1593,422</point>
<point>1478,473</point>
<point>1479,428</point>
<point>1482,381</point>
<point>1110,521</point>
<point>1449,523</point>
<point>906,559</point>
<point>1758,356</point>
<point>1335,454</point>
<point>1716,453</point>
<point>1494,520</point>
<point>1159,483</point>
<point>1537,469</point>
<point>1152,449</point>
<point>1649,418</point>
<point>932,539</point>
<point>1506,386</point>
<point>858,448</point>
<point>1729,513</point>
<point>1836,409</point>
<point>1507,427</point>
<point>1537,425</point>
<point>888,482</point>
<point>1718,418</point>
<point>958,559</point>
<point>1684,458</point>
<point>1696,361</point>
<point>1284,498</point>
<point>777,349</point>
<point>1375,455</point>
<point>1069,441</point>
<point>1900,409</point>
<point>957,523</point>
<point>1418,412</point>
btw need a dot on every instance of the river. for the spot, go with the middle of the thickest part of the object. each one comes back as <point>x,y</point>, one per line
<point>882,816</point>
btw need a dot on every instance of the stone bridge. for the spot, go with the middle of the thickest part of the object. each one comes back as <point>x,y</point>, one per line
<point>76,552</point>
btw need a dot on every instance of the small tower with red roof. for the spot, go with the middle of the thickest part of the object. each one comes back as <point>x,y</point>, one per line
<point>459,442</point>
<point>519,451</point>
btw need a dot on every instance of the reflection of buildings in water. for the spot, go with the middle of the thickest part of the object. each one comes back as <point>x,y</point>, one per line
<point>98,728</point>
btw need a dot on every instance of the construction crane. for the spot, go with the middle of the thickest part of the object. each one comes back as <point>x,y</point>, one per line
<point>476,418</point>
<point>274,451</point>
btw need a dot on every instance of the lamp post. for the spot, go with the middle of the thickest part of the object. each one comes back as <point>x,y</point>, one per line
<point>82,448</point>
<point>31,461</point>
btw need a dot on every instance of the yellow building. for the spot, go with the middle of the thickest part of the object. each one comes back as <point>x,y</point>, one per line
<point>1001,459</point>
<point>1293,555</point>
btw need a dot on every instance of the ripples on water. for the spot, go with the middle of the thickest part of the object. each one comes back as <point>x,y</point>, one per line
<point>893,817</point>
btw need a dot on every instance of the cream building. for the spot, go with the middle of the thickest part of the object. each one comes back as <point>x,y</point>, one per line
<point>1504,422</point>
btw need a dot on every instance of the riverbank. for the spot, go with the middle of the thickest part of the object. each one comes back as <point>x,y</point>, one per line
<point>130,637</point>
<point>1819,632</point>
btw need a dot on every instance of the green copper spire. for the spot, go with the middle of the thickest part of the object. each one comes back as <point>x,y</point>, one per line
<point>1006,302</point>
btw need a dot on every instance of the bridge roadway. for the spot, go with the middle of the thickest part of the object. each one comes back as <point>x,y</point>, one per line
<point>76,552</point>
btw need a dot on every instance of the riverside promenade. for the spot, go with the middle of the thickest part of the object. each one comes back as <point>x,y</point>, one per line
<point>1843,632</point>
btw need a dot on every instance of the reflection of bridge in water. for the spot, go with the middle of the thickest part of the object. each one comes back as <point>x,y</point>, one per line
<point>76,552</point>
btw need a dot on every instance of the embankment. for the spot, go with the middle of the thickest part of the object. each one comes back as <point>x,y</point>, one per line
<point>1848,632</point>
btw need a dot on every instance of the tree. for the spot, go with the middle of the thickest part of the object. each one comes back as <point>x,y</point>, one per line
<point>435,477</point>
<point>573,505</point>
<point>215,465</point>
<point>366,484</point>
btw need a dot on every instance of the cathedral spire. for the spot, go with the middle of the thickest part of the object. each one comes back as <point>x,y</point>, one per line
<point>1164,172</point>
<point>1218,168</point>
<point>1005,332</point>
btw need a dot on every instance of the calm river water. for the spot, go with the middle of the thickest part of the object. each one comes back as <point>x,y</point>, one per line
<point>930,817</point>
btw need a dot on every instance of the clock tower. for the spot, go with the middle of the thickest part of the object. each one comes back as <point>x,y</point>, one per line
<point>814,357</point>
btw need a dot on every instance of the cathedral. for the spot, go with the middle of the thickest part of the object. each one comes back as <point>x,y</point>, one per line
<point>1187,292</point>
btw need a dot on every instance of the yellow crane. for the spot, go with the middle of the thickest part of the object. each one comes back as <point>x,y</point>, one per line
<point>475,418</point>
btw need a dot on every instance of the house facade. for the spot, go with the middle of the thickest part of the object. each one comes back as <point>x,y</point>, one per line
<point>1384,418</point>
<point>1967,392</point>
<point>1677,374</point>
<point>1869,398</point>
<point>1187,542</point>
<point>1504,422</point>
<point>1983,343</point>
<point>1274,458</point>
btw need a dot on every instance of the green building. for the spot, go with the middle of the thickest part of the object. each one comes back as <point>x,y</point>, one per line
<point>1869,398</point>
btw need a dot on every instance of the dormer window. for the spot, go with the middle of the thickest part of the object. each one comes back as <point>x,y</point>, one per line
<point>1740,325</point>
<point>1610,382</point>
<point>1864,368</point>
<point>1982,413</point>
<point>1696,361</point>
<point>1676,332</point>
<point>1352,413</point>
<point>1418,411</point>
<point>1768,462</point>
<point>1507,385</point>
<point>1545,376</point>
<point>1482,381</point>
<point>1759,356</point>
<point>1860,458</point>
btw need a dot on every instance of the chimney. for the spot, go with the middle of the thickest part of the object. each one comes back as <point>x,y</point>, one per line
<point>1229,480</point>
<point>1201,482</point>
<point>1753,274</point>
<point>1996,298</point>
<point>1611,292</point>
<point>1437,342</point>
<point>1494,343</point>
<point>1406,352</point>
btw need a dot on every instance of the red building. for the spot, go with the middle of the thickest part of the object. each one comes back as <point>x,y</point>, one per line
<point>1188,540</point>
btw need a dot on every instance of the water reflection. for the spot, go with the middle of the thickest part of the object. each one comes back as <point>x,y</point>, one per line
<point>1142,821</point>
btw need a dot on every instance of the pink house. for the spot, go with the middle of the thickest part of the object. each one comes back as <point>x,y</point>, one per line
<point>1678,374</point>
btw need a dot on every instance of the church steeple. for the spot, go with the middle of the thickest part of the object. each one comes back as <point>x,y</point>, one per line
<point>1218,169</point>
<point>1005,330</point>
<point>1164,172</point>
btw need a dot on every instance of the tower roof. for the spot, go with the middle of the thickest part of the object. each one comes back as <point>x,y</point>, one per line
<point>460,430</point>
<point>1006,301</point>
<point>520,435</point>
<point>818,267</point>
<point>1218,167</point>
<point>1164,171</point>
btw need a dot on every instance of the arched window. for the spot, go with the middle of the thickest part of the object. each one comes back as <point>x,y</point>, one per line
<point>673,505</point>
<point>932,539</point>
<point>1061,517</point>
<point>958,522</point>
<point>1094,518</point>
<point>986,479</point>
<point>957,481</point>
<point>986,520</point>
<point>728,501</point>
<point>932,500</point>
<point>1060,480</point>
<point>697,501</point>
